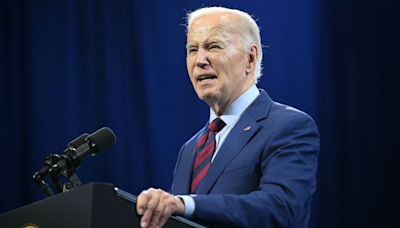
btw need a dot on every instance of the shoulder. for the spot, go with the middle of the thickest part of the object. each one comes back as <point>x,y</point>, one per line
<point>283,113</point>
<point>264,108</point>
<point>194,137</point>
<point>290,126</point>
<point>282,119</point>
<point>190,143</point>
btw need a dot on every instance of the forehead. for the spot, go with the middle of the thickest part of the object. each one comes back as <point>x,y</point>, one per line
<point>210,25</point>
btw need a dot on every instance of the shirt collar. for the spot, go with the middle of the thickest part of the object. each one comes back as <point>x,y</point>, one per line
<point>235,110</point>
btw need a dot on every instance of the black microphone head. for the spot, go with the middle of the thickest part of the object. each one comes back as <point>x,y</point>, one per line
<point>78,141</point>
<point>101,140</point>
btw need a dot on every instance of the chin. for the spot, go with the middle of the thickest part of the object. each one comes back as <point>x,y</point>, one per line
<point>208,94</point>
<point>208,97</point>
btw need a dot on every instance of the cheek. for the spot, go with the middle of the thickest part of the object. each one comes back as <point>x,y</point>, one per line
<point>237,65</point>
<point>188,63</point>
<point>226,62</point>
<point>189,67</point>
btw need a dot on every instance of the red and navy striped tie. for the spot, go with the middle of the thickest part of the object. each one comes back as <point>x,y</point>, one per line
<point>205,148</point>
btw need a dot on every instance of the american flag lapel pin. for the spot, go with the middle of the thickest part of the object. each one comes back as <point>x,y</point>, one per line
<point>248,128</point>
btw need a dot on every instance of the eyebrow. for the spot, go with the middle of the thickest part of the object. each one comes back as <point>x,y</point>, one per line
<point>206,42</point>
<point>190,46</point>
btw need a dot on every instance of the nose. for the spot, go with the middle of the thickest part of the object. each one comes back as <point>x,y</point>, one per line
<point>202,58</point>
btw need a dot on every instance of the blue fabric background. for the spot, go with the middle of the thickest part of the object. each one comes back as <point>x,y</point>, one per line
<point>69,67</point>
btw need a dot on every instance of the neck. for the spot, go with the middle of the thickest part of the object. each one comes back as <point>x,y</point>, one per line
<point>220,106</point>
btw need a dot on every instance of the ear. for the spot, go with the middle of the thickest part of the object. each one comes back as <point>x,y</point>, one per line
<point>252,57</point>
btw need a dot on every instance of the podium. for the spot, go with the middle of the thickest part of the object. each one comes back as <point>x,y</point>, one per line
<point>92,205</point>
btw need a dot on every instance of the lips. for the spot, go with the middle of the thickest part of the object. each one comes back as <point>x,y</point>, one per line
<point>206,77</point>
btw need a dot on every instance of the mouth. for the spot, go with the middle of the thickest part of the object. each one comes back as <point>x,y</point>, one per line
<point>206,77</point>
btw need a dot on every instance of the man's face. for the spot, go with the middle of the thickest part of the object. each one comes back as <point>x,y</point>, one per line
<point>216,61</point>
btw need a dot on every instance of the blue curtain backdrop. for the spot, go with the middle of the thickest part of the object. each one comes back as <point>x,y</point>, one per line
<point>69,67</point>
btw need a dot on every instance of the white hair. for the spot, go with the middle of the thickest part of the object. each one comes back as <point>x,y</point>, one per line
<point>249,37</point>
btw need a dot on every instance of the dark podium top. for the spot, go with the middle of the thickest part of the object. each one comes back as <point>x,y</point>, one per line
<point>93,205</point>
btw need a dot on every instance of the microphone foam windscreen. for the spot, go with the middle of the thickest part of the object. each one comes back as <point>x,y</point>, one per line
<point>102,139</point>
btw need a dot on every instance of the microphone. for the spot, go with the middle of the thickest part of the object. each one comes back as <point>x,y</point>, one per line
<point>54,158</point>
<point>80,148</point>
<point>95,143</point>
<point>50,161</point>
<point>69,160</point>
<point>78,141</point>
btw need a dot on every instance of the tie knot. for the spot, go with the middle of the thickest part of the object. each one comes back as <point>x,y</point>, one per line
<point>216,125</point>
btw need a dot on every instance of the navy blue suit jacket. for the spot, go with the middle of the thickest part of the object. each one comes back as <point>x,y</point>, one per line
<point>262,177</point>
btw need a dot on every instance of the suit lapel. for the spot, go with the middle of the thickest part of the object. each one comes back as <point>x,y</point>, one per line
<point>237,139</point>
<point>183,179</point>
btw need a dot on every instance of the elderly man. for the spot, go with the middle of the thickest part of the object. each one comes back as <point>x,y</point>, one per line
<point>254,164</point>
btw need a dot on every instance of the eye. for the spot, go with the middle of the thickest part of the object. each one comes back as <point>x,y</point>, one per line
<point>214,47</point>
<point>192,50</point>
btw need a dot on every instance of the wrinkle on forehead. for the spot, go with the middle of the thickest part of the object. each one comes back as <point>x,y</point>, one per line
<point>224,28</point>
<point>217,29</point>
